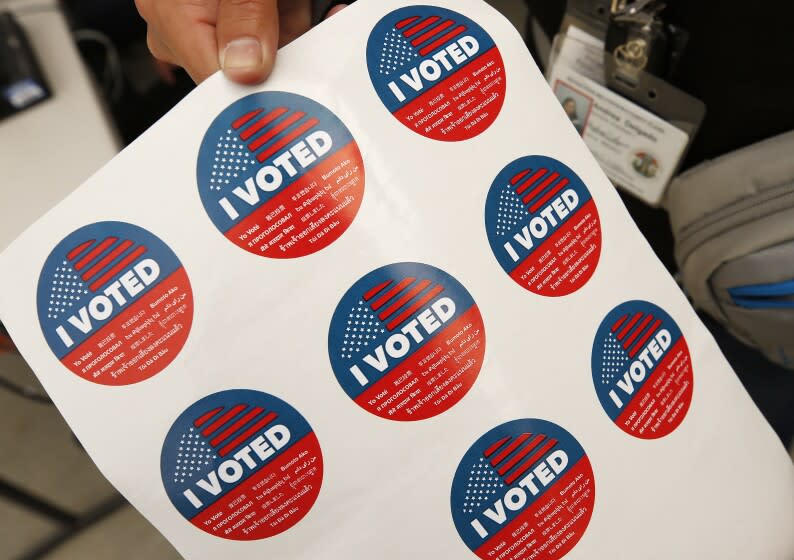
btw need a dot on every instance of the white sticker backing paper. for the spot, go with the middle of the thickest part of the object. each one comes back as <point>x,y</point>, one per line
<point>387,305</point>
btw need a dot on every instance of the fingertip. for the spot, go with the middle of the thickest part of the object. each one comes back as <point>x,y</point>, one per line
<point>335,10</point>
<point>247,60</point>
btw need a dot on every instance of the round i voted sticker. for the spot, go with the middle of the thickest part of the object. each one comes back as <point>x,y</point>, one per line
<point>525,489</point>
<point>280,175</point>
<point>543,226</point>
<point>642,370</point>
<point>114,303</point>
<point>406,342</point>
<point>438,72</point>
<point>242,465</point>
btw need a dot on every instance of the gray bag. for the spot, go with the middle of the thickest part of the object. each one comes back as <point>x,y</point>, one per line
<point>733,221</point>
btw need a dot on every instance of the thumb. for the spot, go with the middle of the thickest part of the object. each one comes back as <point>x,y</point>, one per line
<point>247,32</point>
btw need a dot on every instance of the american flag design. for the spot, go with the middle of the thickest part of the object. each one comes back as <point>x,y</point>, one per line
<point>208,437</point>
<point>417,36</point>
<point>622,344</point>
<point>384,306</point>
<point>405,38</point>
<point>494,467</point>
<point>85,264</point>
<point>259,131</point>
<point>522,196</point>
<point>387,300</point>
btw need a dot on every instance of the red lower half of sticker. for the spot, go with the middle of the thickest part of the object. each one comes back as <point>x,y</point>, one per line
<point>661,404</point>
<point>462,105</point>
<point>566,260</point>
<point>310,214</point>
<point>271,500</point>
<point>142,340</point>
<point>551,526</point>
<point>435,377</point>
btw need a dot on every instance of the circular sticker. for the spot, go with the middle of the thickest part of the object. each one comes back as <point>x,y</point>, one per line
<point>642,370</point>
<point>280,175</point>
<point>543,226</point>
<point>406,341</point>
<point>439,73</point>
<point>242,465</point>
<point>524,490</point>
<point>114,303</point>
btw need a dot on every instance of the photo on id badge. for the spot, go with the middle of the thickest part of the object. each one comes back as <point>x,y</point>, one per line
<point>543,226</point>
<point>115,304</point>
<point>280,175</point>
<point>437,72</point>
<point>577,105</point>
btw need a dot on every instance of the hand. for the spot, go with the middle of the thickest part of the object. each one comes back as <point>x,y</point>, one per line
<point>239,36</point>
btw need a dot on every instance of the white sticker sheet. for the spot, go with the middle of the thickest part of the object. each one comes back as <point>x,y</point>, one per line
<point>387,304</point>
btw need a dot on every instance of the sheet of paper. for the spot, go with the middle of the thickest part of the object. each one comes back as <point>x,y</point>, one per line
<point>388,305</point>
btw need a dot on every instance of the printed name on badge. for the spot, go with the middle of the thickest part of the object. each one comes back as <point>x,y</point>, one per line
<point>438,72</point>
<point>114,303</point>
<point>406,342</point>
<point>242,465</point>
<point>525,489</point>
<point>280,175</point>
<point>543,226</point>
<point>642,370</point>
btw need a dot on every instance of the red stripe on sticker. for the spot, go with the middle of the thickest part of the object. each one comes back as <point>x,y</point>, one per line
<point>637,331</point>
<point>509,449</point>
<point>246,134</point>
<point>74,253</point>
<point>414,307</point>
<point>247,434</point>
<point>516,178</point>
<point>526,450</point>
<point>245,118</point>
<point>531,181</point>
<point>548,196</point>
<point>305,127</point>
<point>275,131</point>
<point>645,338</point>
<point>619,322</point>
<point>105,278</point>
<point>444,39</point>
<point>419,26</point>
<point>212,428</point>
<point>424,37</point>
<point>203,419</point>
<point>526,465</point>
<point>97,268</point>
<point>625,330</point>
<point>406,21</point>
<point>376,290</point>
<point>495,447</point>
<point>95,252</point>
<point>228,432</point>
<point>403,299</point>
<point>384,299</point>
<point>539,189</point>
